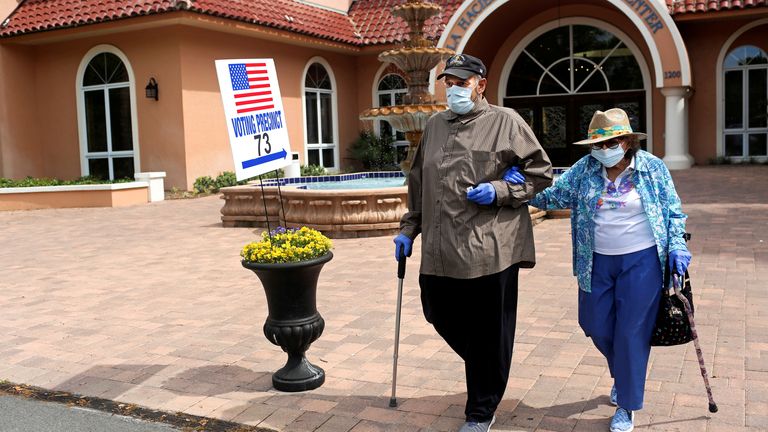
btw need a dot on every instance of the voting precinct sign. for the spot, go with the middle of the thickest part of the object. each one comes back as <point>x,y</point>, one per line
<point>255,117</point>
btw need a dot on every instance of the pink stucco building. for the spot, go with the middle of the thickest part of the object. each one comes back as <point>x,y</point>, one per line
<point>693,74</point>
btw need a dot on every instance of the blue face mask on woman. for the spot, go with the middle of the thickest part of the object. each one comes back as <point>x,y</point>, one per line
<point>609,157</point>
<point>459,99</point>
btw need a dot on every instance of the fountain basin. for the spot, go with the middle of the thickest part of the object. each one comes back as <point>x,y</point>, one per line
<point>405,118</point>
<point>415,59</point>
<point>337,210</point>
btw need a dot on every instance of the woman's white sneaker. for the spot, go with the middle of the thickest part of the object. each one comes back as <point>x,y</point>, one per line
<point>623,421</point>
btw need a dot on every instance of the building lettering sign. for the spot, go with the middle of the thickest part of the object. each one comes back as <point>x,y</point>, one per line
<point>647,13</point>
<point>466,19</point>
<point>643,8</point>
<point>254,114</point>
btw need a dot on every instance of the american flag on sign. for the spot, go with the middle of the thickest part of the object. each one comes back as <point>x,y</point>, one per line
<point>250,85</point>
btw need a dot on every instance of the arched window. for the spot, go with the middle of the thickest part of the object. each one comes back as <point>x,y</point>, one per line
<point>106,98</point>
<point>745,80</point>
<point>574,59</point>
<point>564,75</point>
<point>392,87</point>
<point>319,109</point>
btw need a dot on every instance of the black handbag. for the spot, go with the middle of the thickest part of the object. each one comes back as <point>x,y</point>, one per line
<point>672,324</point>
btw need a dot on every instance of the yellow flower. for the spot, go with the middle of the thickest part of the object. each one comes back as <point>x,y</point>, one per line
<point>287,246</point>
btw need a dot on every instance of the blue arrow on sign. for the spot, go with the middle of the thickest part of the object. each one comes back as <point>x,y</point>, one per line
<point>282,154</point>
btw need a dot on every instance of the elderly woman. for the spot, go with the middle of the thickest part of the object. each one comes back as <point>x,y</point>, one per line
<point>626,223</point>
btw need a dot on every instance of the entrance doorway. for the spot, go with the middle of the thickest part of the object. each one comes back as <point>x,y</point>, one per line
<point>566,74</point>
<point>559,121</point>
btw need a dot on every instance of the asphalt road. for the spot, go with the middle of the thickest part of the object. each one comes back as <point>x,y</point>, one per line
<point>27,415</point>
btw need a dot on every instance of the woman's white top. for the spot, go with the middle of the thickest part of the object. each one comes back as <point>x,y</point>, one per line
<point>621,225</point>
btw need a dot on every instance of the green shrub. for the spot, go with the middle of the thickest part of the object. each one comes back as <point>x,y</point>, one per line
<point>279,173</point>
<point>205,184</point>
<point>375,153</point>
<point>720,160</point>
<point>226,179</point>
<point>45,181</point>
<point>312,170</point>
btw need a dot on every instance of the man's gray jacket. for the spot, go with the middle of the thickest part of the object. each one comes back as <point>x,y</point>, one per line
<point>461,239</point>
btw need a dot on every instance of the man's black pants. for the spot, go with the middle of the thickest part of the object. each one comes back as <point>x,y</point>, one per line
<point>476,317</point>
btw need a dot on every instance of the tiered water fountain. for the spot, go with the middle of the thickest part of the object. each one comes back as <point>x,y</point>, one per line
<point>346,211</point>
<point>416,59</point>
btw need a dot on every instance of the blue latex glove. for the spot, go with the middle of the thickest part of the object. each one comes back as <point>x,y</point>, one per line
<point>405,242</point>
<point>679,260</point>
<point>513,176</point>
<point>483,194</point>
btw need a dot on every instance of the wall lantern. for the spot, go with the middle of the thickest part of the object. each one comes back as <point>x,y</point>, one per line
<point>151,89</point>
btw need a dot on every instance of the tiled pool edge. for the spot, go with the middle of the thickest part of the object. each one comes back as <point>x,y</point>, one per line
<point>332,177</point>
<point>355,176</point>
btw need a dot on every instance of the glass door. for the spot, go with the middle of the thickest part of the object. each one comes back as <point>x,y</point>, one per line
<point>558,121</point>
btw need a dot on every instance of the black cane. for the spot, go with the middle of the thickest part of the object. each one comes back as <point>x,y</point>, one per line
<point>400,277</point>
<point>677,285</point>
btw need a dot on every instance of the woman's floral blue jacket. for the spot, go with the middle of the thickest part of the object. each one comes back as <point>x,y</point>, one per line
<point>579,189</point>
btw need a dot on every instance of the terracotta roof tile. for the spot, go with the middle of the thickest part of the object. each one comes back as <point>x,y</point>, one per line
<point>368,21</point>
<point>376,24</point>
<point>40,15</point>
<point>677,7</point>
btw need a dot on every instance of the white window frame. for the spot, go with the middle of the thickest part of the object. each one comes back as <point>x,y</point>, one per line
<point>335,113</point>
<point>745,130</point>
<point>391,95</point>
<point>719,90</point>
<point>82,127</point>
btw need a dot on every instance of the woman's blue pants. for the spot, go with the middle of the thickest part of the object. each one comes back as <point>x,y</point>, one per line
<point>619,315</point>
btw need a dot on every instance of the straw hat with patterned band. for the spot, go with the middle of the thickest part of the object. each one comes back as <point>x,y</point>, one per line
<point>608,125</point>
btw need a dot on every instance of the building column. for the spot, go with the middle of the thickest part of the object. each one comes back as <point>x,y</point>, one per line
<point>676,128</point>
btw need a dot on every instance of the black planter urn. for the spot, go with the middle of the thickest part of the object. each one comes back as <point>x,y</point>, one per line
<point>293,322</point>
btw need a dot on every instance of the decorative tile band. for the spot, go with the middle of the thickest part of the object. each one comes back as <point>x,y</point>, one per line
<point>353,176</point>
<point>333,178</point>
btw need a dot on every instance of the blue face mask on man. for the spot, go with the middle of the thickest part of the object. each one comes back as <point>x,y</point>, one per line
<point>460,99</point>
<point>609,157</point>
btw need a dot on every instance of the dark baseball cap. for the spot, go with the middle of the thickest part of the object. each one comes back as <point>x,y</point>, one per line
<point>463,66</point>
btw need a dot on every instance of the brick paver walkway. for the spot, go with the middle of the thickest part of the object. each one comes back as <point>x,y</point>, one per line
<point>149,305</point>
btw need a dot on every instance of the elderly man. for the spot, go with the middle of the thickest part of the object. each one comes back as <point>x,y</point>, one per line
<point>476,231</point>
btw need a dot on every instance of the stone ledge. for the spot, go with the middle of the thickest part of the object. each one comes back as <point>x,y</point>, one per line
<point>344,213</point>
<point>72,196</point>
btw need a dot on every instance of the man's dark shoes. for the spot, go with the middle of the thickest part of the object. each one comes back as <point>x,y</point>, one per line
<point>473,426</point>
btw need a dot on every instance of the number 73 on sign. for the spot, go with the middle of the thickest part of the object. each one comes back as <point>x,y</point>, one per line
<point>254,115</point>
